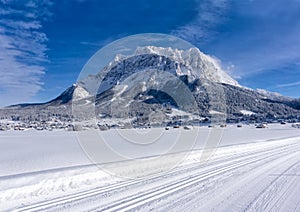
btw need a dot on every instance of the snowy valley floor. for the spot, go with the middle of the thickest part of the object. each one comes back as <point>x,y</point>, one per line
<point>251,170</point>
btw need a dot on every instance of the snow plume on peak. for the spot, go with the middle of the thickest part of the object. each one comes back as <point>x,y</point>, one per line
<point>202,65</point>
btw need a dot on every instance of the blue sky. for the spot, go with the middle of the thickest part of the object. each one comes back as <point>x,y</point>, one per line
<point>44,44</point>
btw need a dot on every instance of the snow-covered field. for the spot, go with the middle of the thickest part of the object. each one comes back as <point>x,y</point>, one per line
<point>251,170</point>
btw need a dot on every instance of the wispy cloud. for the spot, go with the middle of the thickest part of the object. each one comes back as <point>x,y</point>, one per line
<point>22,49</point>
<point>288,85</point>
<point>271,40</point>
<point>250,37</point>
<point>201,29</point>
<point>204,28</point>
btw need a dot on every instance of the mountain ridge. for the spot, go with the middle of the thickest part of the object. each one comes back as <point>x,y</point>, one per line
<point>132,83</point>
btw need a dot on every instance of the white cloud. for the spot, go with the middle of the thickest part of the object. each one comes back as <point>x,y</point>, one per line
<point>201,29</point>
<point>22,50</point>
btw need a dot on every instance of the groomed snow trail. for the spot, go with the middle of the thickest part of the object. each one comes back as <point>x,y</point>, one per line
<point>249,177</point>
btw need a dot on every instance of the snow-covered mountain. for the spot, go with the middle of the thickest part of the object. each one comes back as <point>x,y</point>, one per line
<point>137,84</point>
<point>191,63</point>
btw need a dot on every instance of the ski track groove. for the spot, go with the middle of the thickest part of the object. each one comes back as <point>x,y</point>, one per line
<point>267,191</point>
<point>297,209</point>
<point>137,201</point>
<point>194,201</point>
<point>284,195</point>
<point>131,182</point>
<point>140,200</point>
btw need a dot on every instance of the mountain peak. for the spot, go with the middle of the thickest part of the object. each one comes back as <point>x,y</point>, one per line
<point>191,62</point>
<point>202,65</point>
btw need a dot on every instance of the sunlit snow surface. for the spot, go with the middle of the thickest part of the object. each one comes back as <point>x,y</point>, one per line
<point>252,169</point>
